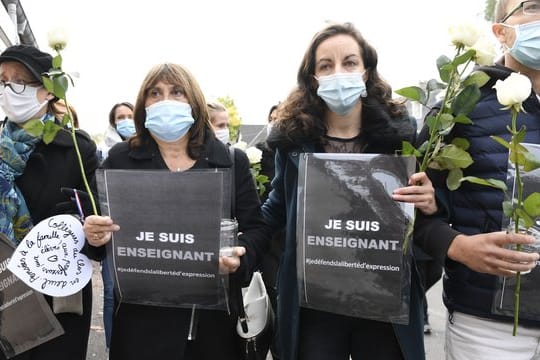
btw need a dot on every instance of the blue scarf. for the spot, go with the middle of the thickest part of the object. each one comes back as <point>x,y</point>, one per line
<point>16,145</point>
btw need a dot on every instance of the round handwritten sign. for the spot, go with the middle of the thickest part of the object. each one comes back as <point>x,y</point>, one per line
<point>48,259</point>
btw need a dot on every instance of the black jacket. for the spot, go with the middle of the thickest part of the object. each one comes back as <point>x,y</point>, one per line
<point>50,168</point>
<point>476,209</point>
<point>153,332</point>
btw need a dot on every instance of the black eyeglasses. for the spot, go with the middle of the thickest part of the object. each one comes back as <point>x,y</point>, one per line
<point>530,7</point>
<point>16,87</point>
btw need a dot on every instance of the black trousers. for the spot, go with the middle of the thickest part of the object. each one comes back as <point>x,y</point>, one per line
<point>326,336</point>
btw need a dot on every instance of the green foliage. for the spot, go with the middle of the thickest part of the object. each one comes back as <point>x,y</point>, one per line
<point>234,118</point>
<point>489,11</point>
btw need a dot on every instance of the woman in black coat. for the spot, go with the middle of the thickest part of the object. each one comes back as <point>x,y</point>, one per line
<point>36,172</point>
<point>174,133</point>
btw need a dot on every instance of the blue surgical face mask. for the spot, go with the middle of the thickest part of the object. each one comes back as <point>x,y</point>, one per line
<point>169,120</point>
<point>341,91</point>
<point>526,48</point>
<point>126,128</point>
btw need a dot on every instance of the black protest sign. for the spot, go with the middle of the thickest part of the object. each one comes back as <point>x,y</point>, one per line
<point>166,252</point>
<point>26,320</point>
<point>350,234</point>
<point>529,293</point>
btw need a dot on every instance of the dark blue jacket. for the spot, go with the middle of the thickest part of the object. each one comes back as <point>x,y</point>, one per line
<point>477,209</point>
<point>383,136</point>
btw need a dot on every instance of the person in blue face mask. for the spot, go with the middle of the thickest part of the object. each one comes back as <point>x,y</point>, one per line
<point>340,105</point>
<point>173,133</point>
<point>120,128</point>
<point>473,329</point>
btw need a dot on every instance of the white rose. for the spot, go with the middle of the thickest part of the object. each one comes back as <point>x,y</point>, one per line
<point>464,34</point>
<point>242,145</point>
<point>485,51</point>
<point>57,38</point>
<point>513,90</point>
<point>254,155</point>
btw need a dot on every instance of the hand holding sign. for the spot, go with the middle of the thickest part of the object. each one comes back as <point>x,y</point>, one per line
<point>48,259</point>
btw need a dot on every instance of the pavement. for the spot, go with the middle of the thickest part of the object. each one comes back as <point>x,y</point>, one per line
<point>434,342</point>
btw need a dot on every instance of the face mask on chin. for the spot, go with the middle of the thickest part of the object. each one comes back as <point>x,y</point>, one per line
<point>169,120</point>
<point>19,108</point>
<point>341,91</point>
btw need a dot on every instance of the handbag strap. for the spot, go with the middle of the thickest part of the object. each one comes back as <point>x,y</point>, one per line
<point>235,286</point>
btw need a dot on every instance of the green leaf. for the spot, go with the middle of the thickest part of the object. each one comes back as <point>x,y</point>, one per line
<point>452,156</point>
<point>531,162</point>
<point>408,149</point>
<point>463,119</point>
<point>49,132</point>
<point>446,124</point>
<point>501,141</point>
<point>498,184</point>
<point>508,208</point>
<point>479,78</point>
<point>532,204</point>
<point>414,93</point>
<point>453,181</point>
<point>466,100</point>
<point>461,143</point>
<point>48,84</point>
<point>34,127</point>
<point>525,218</point>
<point>433,85</point>
<point>444,70</point>
<point>57,62</point>
<point>463,58</point>
<point>60,86</point>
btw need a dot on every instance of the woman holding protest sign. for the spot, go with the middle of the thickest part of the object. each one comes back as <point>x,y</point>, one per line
<point>340,105</point>
<point>173,132</point>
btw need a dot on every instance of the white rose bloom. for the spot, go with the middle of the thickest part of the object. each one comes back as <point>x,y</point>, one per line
<point>254,155</point>
<point>464,34</point>
<point>513,90</point>
<point>242,145</point>
<point>57,38</point>
<point>485,51</point>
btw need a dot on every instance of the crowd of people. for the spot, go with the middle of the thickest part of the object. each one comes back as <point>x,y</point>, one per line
<point>340,104</point>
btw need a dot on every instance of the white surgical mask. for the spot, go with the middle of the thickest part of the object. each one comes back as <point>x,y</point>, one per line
<point>222,135</point>
<point>19,108</point>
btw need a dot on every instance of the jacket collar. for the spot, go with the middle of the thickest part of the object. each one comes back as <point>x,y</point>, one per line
<point>214,152</point>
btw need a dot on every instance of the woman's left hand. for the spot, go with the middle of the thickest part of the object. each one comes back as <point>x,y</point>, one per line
<point>229,264</point>
<point>420,192</point>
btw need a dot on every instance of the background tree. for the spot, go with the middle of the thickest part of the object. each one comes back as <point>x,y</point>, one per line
<point>234,118</point>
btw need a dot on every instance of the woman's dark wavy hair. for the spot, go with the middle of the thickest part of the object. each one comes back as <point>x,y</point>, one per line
<point>112,113</point>
<point>301,115</point>
<point>173,74</point>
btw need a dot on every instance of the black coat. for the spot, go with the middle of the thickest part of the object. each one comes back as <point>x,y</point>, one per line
<point>153,332</point>
<point>50,168</point>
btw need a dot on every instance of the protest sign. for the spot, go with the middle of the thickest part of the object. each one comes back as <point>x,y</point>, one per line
<point>350,234</point>
<point>167,250</point>
<point>49,258</point>
<point>26,320</point>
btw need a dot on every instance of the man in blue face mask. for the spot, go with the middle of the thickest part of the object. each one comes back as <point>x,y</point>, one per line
<point>474,330</point>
